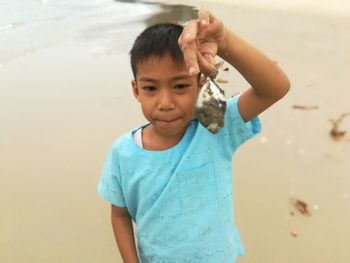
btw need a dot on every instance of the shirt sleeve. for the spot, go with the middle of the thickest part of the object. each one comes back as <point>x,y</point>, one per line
<point>236,131</point>
<point>110,186</point>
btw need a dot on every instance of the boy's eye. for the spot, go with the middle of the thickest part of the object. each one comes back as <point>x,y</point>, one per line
<point>149,88</point>
<point>181,86</point>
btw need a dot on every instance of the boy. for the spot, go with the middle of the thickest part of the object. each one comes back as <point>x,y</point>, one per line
<point>172,177</point>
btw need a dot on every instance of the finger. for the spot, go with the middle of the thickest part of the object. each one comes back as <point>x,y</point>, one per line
<point>207,64</point>
<point>210,58</point>
<point>208,22</point>
<point>188,46</point>
<point>190,57</point>
<point>189,31</point>
<point>207,47</point>
<point>204,17</point>
<point>213,69</point>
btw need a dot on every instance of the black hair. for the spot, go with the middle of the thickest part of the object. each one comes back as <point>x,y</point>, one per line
<point>157,40</point>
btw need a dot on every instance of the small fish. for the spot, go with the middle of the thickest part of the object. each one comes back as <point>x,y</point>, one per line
<point>211,106</point>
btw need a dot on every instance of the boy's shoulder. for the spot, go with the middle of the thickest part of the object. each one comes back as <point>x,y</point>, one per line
<point>124,140</point>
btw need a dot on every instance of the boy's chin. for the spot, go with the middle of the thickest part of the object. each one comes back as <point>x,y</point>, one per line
<point>169,129</point>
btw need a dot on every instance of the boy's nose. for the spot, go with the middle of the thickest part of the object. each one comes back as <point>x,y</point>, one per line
<point>166,101</point>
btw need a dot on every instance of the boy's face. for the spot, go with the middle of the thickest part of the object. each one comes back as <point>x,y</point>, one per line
<point>167,94</point>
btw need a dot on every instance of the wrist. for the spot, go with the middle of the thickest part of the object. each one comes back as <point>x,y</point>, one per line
<point>223,45</point>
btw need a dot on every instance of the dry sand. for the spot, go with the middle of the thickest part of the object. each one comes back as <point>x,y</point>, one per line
<point>62,106</point>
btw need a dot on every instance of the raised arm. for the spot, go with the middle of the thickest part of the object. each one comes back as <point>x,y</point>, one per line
<point>207,37</point>
<point>268,82</point>
<point>124,234</point>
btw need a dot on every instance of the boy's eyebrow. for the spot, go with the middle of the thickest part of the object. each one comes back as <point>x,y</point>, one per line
<point>178,77</point>
<point>147,79</point>
<point>182,76</point>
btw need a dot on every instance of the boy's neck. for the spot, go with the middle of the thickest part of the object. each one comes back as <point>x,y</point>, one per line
<point>151,140</point>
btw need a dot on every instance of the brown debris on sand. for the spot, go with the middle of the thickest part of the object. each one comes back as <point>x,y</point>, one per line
<point>222,81</point>
<point>302,207</point>
<point>336,133</point>
<point>219,64</point>
<point>305,107</point>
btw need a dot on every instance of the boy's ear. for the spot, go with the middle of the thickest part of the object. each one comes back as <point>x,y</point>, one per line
<point>135,89</point>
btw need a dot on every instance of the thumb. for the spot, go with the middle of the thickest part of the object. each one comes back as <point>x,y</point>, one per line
<point>206,64</point>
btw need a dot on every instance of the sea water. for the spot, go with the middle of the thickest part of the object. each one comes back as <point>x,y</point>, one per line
<point>29,25</point>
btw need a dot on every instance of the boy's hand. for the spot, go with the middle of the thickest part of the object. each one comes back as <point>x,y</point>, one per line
<point>200,41</point>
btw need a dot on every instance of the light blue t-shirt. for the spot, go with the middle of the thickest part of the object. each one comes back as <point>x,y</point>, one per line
<point>180,198</point>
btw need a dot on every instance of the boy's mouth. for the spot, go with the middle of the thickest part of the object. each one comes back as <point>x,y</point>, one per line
<point>170,122</point>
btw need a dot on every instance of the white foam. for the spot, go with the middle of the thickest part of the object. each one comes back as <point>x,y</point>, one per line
<point>8,26</point>
<point>337,7</point>
<point>27,26</point>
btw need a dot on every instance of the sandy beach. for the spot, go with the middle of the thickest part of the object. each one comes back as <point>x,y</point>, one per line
<point>64,101</point>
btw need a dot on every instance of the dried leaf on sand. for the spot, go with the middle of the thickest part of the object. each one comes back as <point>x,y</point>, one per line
<point>222,81</point>
<point>219,64</point>
<point>302,207</point>
<point>335,132</point>
<point>305,107</point>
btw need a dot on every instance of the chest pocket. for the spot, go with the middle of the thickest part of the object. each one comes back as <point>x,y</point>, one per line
<point>198,187</point>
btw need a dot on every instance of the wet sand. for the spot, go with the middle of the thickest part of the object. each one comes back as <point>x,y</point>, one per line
<point>62,106</point>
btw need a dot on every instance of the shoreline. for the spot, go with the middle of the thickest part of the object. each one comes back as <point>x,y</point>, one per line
<point>341,8</point>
